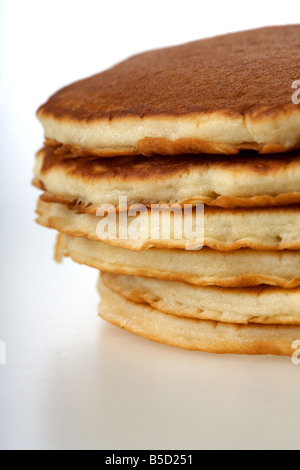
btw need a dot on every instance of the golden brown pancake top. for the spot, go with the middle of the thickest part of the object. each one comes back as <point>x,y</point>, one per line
<point>160,168</point>
<point>239,73</point>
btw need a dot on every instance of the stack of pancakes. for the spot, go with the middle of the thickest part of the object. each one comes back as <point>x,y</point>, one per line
<point>211,122</point>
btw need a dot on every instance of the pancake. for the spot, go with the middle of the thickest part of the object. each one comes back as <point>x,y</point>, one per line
<point>224,230</point>
<point>242,268</point>
<point>196,335</point>
<point>243,181</point>
<point>217,95</point>
<point>261,305</point>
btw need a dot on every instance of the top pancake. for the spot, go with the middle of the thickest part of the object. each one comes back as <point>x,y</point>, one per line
<point>217,95</point>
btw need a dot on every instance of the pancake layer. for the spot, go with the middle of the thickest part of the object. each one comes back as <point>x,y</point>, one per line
<point>196,335</point>
<point>250,181</point>
<point>261,305</point>
<point>242,268</point>
<point>217,95</point>
<point>224,230</point>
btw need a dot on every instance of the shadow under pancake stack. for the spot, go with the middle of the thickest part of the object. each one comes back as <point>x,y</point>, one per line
<point>212,122</point>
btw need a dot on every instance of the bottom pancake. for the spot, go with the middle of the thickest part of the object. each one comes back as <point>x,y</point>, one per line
<point>196,335</point>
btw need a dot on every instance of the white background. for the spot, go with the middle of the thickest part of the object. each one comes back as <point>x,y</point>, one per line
<point>72,381</point>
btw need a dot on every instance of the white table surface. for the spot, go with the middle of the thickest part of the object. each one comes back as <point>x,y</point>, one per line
<point>72,381</point>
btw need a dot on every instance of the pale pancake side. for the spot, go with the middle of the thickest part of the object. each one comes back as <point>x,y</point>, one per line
<point>261,305</point>
<point>242,268</point>
<point>224,230</point>
<point>196,335</point>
